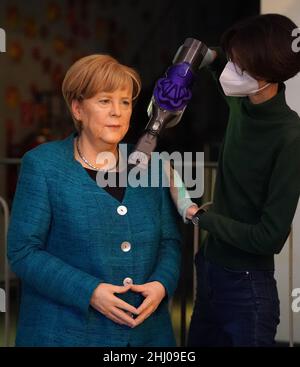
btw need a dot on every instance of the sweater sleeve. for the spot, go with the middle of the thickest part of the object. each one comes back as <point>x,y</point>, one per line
<point>269,234</point>
<point>168,261</point>
<point>27,236</point>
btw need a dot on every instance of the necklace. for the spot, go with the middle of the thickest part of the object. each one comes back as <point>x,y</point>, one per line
<point>88,163</point>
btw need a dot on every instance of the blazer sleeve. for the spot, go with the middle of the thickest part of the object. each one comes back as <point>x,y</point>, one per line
<point>168,262</point>
<point>27,237</point>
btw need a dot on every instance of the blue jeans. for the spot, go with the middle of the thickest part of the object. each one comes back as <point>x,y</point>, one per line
<point>233,307</point>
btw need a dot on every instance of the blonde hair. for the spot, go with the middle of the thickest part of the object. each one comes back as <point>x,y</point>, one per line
<point>97,73</point>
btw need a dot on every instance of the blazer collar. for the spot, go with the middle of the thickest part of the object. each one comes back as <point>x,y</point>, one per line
<point>77,170</point>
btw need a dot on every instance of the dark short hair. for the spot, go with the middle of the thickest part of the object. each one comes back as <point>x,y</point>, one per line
<point>262,45</point>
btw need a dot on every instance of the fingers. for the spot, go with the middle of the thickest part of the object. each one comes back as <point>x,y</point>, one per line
<point>191,211</point>
<point>120,317</point>
<point>119,311</point>
<point>145,310</point>
<point>125,306</point>
<point>143,316</point>
<point>120,303</point>
<point>111,316</point>
<point>115,319</point>
<point>146,303</point>
<point>138,288</point>
<point>124,317</point>
<point>121,289</point>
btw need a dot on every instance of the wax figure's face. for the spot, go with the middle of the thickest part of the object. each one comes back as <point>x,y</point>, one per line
<point>106,116</point>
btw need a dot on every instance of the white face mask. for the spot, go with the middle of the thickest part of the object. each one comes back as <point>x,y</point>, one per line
<point>238,83</point>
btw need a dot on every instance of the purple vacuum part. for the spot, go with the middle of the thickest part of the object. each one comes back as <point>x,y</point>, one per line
<point>173,92</point>
<point>171,95</point>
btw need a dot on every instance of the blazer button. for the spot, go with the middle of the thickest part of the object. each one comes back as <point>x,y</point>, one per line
<point>127,281</point>
<point>126,246</point>
<point>122,210</point>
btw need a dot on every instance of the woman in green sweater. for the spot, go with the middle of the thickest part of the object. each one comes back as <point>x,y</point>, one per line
<point>256,191</point>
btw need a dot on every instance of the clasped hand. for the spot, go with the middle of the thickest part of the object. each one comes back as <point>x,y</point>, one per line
<point>105,301</point>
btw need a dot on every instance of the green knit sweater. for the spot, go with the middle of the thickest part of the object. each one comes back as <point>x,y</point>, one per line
<point>258,183</point>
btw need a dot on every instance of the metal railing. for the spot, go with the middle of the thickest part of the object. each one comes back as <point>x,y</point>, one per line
<point>291,275</point>
<point>4,206</point>
<point>7,276</point>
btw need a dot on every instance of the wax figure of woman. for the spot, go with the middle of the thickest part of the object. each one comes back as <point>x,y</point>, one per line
<point>98,265</point>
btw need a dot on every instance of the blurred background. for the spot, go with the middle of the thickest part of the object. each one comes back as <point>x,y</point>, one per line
<point>44,37</point>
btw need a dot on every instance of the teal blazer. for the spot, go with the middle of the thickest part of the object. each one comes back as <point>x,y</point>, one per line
<point>65,237</point>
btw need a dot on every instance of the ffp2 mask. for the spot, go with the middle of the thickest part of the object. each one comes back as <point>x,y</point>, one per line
<point>238,83</point>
